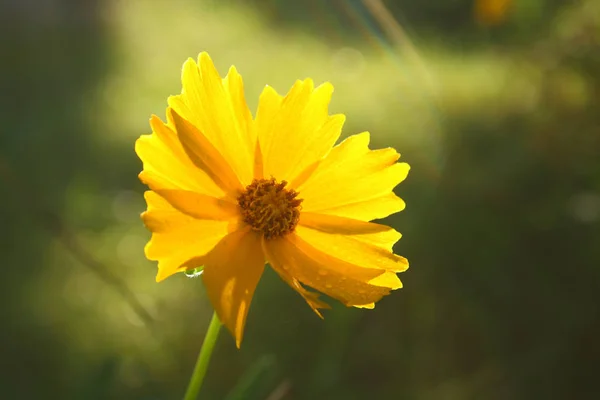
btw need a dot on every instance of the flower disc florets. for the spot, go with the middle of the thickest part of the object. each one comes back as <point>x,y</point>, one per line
<point>269,208</point>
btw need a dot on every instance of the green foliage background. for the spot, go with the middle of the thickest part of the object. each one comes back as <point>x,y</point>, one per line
<point>500,124</point>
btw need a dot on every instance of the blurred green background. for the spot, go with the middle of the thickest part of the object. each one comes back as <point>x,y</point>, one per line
<point>494,103</point>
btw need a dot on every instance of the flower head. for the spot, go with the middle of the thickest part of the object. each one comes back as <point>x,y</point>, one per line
<point>231,193</point>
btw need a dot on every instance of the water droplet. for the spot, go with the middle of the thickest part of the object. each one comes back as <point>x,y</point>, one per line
<point>328,285</point>
<point>194,273</point>
<point>322,272</point>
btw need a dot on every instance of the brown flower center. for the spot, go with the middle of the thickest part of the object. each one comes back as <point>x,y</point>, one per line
<point>269,208</point>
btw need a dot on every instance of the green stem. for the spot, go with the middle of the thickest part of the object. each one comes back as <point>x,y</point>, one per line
<point>203,359</point>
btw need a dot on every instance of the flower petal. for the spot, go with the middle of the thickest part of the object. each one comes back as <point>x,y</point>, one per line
<point>177,238</point>
<point>217,108</point>
<point>360,243</point>
<point>200,206</point>
<point>349,283</point>
<point>354,181</point>
<point>296,131</point>
<point>369,210</point>
<point>204,155</point>
<point>232,271</point>
<point>311,298</point>
<point>234,85</point>
<point>167,166</point>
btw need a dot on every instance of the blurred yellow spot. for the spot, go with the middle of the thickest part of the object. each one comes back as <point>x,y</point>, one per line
<point>491,12</point>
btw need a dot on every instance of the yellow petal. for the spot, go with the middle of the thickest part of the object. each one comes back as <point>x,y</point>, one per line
<point>177,238</point>
<point>388,279</point>
<point>167,166</point>
<point>232,271</point>
<point>311,298</point>
<point>355,246</point>
<point>369,232</point>
<point>200,206</point>
<point>296,131</point>
<point>204,155</point>
<point>235,87</point>
<point>351,284</point>
<point>217,108</point>
<point>355,182</point>
<point>369,210</point>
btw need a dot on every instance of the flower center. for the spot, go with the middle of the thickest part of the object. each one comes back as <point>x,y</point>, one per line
<point>269,208</point>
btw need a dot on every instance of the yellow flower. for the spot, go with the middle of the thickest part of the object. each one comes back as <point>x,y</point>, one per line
<point>231,193</point>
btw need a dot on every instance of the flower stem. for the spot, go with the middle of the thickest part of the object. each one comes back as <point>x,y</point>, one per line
<point>203,358</point>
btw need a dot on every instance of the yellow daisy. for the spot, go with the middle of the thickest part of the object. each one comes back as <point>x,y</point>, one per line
<point>231,193</point>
